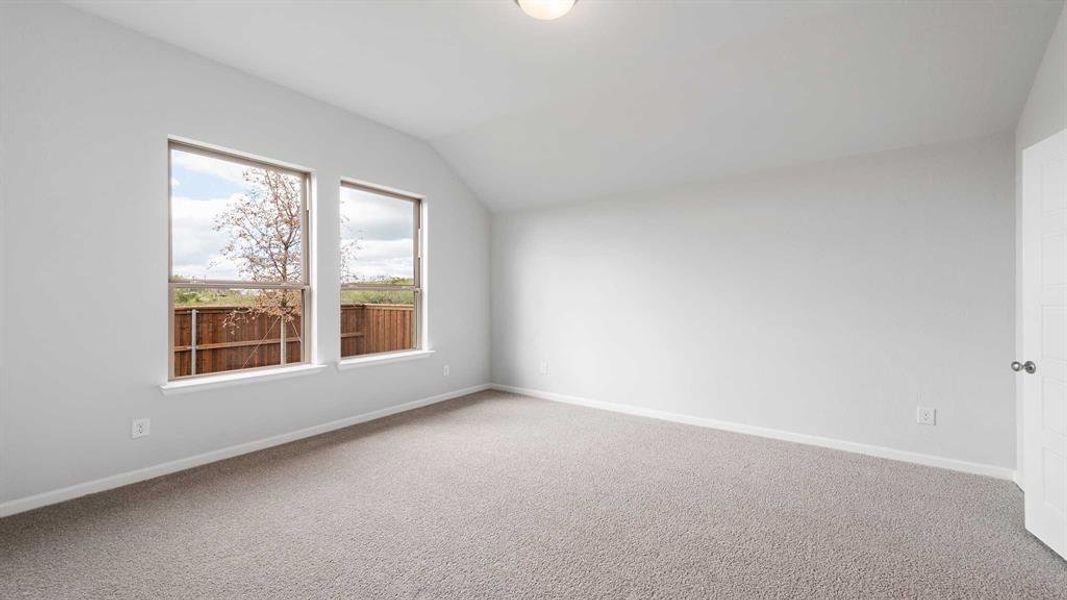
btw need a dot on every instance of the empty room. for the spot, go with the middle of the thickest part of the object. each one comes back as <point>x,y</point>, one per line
<point>533,299</point>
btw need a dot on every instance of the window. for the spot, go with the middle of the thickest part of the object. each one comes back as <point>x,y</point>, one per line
<point>381,293</point>
<point>238,263</point>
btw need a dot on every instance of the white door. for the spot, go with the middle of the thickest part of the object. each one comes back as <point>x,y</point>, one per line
<point>1043,372</point>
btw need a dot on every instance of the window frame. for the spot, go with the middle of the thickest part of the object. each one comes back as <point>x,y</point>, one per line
<point>303,286</point>
<point>416,288</point>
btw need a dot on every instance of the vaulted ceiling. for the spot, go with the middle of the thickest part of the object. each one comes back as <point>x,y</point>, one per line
<point>619,97</point>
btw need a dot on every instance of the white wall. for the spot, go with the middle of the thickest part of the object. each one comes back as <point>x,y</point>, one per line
<point>1044,114</point>
<point>829,300</point>
<point>85,111</point>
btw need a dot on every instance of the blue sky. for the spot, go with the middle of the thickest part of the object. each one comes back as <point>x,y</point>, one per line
<point>203,187</point>
<point>198,185</point>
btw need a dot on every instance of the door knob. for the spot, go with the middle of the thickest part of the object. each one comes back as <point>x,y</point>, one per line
<point>1027,366</point>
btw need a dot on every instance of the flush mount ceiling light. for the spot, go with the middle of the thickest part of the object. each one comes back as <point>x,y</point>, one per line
<point>546,10</point>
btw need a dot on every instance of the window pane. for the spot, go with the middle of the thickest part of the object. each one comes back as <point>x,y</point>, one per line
<point>234,222</point>
<point>377,321</point>
<point>377,238</point>
<point>235,329</point>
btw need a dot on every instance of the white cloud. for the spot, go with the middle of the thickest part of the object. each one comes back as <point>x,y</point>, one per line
<point>374,217</point>
<point>197,247</point>
<point>383,258</point>
<point>386,249</point>
<point>230,171</point>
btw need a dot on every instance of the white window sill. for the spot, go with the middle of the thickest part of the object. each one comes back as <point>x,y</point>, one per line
<point>382,359</point>
<point>210,382</point>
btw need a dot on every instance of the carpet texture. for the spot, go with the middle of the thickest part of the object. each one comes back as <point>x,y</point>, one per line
<point>500,496</point>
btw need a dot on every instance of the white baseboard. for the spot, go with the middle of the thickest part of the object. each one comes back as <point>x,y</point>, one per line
<point>99,485</point>
<point>802,438</point>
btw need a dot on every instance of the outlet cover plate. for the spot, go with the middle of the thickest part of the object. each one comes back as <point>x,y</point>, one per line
<point>140,428</point>
<point>926,416</point>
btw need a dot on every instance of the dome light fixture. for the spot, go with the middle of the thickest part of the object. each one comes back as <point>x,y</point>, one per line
<point>546,10</point>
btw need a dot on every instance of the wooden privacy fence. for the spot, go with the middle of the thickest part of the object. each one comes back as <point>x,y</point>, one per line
<point>231,337</point>
<point>371,328</point>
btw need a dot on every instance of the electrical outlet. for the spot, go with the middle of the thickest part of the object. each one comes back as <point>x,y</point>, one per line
<point>446,371</point>
<point>140,428</point>
<point>543,367</point>
<point>926,416</point>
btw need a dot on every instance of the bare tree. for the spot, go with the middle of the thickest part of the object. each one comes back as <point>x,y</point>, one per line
<point>264,228</point>
<point>349,251</point>
<point>266,241</point>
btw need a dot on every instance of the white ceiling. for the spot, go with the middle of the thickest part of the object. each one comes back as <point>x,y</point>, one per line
<point>623,96</point>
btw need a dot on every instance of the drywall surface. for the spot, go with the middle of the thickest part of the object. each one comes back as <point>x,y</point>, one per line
<point>86,108</point>
<point>830,300</point>
<point>1045,112</point>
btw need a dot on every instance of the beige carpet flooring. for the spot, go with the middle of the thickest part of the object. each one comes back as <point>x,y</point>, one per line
<point>500,496</point>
